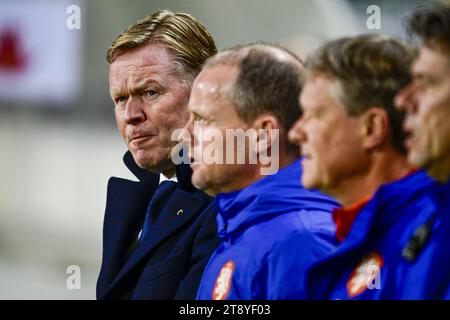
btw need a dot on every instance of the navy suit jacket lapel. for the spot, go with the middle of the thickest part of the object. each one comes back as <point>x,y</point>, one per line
<point>184,197</point>
<point>168,223</point>
<point>126,203</point>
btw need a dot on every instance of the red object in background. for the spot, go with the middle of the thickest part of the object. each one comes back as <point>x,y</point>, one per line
<point>12,57</point>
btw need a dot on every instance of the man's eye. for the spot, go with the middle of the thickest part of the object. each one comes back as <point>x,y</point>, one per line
<point>151,93</point>
<point>121,99</point>
<point>200,120</point>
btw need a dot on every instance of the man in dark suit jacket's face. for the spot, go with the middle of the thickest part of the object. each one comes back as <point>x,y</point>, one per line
<point>150,103</point>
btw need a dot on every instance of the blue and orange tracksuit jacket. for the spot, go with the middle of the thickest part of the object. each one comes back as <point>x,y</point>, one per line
<point>270,233</point>
<point>398,247</point>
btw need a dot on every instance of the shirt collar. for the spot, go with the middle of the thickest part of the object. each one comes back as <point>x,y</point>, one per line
<point>344,217</point>
<point>164,178</point>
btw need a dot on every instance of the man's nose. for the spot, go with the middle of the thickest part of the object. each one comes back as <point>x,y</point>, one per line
<point>406,99</point>
<point>134,111</point>
<point>296,135</point>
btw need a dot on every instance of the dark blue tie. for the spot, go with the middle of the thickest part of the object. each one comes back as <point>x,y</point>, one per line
<point>156,204</point>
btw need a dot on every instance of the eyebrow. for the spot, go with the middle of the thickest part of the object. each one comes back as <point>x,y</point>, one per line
<point>138,86</point>
<point>422,75</point>
<point>114,93</point>
<point>197,115</point>
<point>202,116</point>
<point>143,84</point>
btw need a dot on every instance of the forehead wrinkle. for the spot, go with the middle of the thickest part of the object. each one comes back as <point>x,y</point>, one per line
<point>139,78</point>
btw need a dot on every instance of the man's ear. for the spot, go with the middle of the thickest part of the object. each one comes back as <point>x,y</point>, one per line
<point>374,124</point>
<point>265,126</point>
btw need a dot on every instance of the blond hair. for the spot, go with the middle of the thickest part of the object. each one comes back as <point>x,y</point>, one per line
<point>371,69</point>
<point>184,36</point>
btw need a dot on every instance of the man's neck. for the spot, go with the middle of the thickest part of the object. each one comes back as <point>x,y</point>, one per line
<point>382,170</point>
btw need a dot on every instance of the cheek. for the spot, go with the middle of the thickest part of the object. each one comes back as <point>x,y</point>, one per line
<point>434,106</point>
<point>337,146</point>
<point>437,127</point>
<point>179,105</point>
<point>166,124</point>
<point>427,121</point>
<point>121,125</point>
<point>321,139</point>
<point>170,120</point>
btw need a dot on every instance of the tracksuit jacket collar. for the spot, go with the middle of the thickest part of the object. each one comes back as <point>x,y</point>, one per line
<point>270,196</point>
<point>391,198</point>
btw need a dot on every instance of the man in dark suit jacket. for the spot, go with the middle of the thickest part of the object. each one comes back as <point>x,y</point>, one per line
<point>159,232</point>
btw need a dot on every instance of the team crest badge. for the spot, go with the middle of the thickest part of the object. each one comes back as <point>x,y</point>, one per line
<point>223,282</point>
<point>365,274</point>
